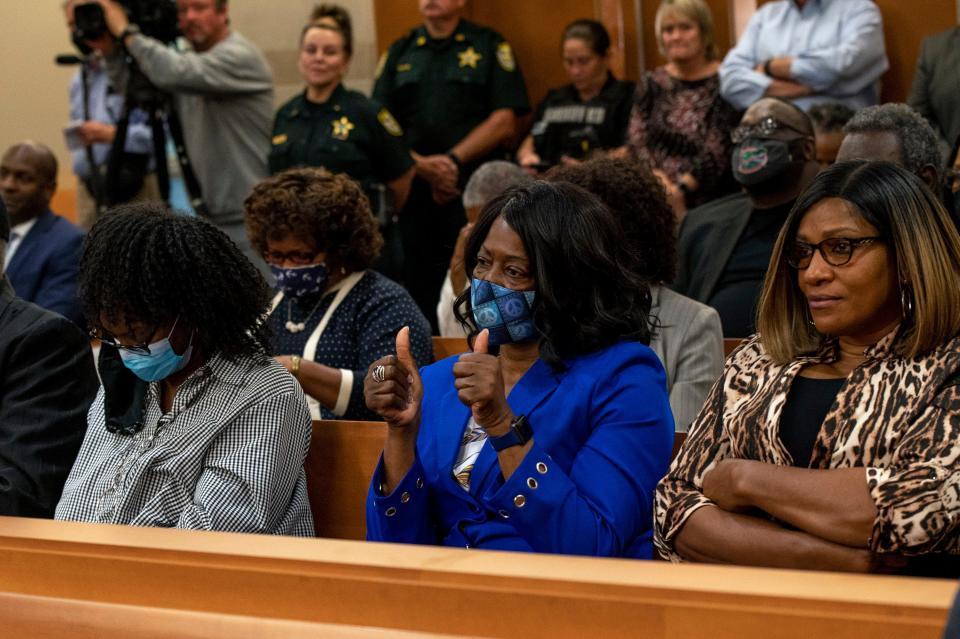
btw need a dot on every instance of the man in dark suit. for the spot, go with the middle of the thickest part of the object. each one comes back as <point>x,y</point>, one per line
<point>43,256</point>
<point>934,93</point>
<point>47,383</point>
<point>725,245</point>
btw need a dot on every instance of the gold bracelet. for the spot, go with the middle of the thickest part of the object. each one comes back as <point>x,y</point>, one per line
<point>295,366</point>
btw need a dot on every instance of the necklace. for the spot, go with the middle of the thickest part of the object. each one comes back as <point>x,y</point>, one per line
<point>299,327</point>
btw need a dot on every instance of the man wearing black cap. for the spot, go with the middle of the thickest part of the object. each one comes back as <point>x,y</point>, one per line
<point>47,383</point>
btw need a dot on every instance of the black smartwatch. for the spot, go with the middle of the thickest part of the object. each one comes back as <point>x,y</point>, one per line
<point>518,435</point>
<point>455,159</point>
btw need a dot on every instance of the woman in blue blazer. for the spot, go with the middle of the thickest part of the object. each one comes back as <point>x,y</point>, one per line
<point>552,434</point>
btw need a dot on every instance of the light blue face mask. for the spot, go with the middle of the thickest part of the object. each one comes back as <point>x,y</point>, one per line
<point>161,363</point>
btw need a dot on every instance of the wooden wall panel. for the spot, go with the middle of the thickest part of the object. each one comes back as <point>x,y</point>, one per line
<point>905,25</point>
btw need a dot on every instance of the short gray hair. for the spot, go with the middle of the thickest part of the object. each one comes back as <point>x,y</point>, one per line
<point>491,180</point>
<point>919,145</point>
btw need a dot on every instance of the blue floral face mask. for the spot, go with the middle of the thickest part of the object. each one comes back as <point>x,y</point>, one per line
<point>301,281</point>
<point>161,363</point>
<point>506,313</point>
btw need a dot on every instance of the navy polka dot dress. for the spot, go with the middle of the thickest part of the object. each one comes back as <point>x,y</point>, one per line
<point>362,330</point>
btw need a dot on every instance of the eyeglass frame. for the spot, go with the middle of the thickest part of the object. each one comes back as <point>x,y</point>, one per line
<point>139,349</point>
<point>765,126</point>
<point>275,258</point>
<point>855,243</point>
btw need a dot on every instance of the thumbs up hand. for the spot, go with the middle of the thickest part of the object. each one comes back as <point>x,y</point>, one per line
<point>479,383</point>
<point>393,388</point>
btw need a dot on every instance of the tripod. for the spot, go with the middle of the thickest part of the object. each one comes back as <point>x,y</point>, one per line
<point>141,93</point>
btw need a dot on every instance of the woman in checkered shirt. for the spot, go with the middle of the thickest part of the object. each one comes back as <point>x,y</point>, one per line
<point>195,425</point>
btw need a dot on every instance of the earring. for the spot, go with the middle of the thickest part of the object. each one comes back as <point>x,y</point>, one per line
<point>906,300</point>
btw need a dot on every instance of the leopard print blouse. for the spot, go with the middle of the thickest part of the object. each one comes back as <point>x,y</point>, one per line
<point>899,418</point>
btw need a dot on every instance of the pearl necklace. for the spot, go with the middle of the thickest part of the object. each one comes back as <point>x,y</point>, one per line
<point>299,327</point>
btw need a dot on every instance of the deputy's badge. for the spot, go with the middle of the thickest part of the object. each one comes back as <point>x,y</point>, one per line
<point>469,58</point>
<point>279,139</point>
<point>505,57</point>
<point>389,123</point>
<point>381,64</point>
<point>342,128</point>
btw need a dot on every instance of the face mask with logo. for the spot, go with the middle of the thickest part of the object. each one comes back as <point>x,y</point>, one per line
<point>758,160</point>
<point>301,281</point>
<point>161,363</point>
<point>506,313</point>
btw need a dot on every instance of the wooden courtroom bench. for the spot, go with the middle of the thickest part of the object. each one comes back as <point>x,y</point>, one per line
<point>444,347</point>
<point>443,590</point>
<point>339,465</point>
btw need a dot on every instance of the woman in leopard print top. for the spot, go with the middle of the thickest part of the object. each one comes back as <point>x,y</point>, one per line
<point>832,439</point>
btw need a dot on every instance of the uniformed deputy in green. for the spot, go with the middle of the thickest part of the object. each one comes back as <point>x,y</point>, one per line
<point>341,130</point>
<point>456,90</point>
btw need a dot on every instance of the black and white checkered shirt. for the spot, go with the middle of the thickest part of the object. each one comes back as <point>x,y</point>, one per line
<point>228,456</point>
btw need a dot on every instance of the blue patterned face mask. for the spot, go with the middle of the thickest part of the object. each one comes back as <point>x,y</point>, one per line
<point>301,281</point>
<point>506,313</point>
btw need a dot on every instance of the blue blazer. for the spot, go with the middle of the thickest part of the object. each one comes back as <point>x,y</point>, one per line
<point>603,433</point>
<point>46,266</point>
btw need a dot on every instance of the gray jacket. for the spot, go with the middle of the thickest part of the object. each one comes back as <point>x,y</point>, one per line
<point>224,98</point>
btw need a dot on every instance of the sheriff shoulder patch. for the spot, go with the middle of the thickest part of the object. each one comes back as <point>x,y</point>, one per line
<point>390,123</point>
<point>505,57</point>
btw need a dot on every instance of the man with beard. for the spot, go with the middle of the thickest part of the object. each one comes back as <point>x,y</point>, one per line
<point>43,255</point>
<point>725,245</point>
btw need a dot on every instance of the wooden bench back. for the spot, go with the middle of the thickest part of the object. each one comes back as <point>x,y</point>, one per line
<point>341,461</point>
<point>444,347</point>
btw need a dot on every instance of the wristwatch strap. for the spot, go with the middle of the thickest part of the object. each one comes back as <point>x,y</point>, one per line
<point>519,434</point>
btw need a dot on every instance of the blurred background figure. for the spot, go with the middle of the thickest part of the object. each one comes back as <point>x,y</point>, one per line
<point>589,114</point>
<point>828,120</point>
<point>680,124</point>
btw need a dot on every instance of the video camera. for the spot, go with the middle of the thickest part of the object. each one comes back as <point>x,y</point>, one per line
<point>156,19</point>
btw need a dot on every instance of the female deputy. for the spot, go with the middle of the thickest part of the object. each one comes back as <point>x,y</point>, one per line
<point>552,433</point>
<point>831,441</point>
<point>680,124</point>
<point>333,127</point>
<point>195,426</point>
<point>332,316</point>
<point>588,114</point>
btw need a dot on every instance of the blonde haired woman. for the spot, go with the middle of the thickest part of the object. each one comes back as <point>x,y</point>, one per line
<point>832,438</point>
<point>679,121</point>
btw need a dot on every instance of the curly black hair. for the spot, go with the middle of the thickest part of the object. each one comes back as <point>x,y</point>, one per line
<point>328,210</point>
<point>141,263</point>
<point>588,296</point>
<point>636,197</point>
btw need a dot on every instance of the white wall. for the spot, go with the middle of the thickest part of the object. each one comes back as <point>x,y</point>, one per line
<point>34,91</point>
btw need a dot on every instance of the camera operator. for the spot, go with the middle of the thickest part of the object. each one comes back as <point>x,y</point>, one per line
<point>223,94</point>
<point>95,109</point>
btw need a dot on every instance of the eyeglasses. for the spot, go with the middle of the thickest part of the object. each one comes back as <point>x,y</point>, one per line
<point>299,258</point>
<point>765,128</point>
<point>836,251</point>
<point>110,340</point>
<point>142,349</point>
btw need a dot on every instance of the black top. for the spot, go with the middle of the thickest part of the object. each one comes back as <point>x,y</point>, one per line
<point>566,125</point>
<point>808,403</point>
<point>738,291</point>
<point>348,133</point>
<point>440,90</point>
